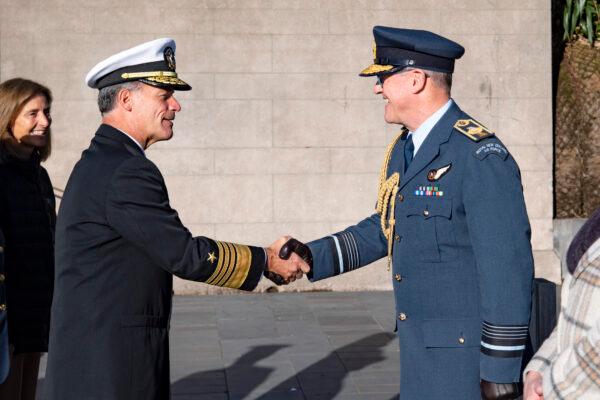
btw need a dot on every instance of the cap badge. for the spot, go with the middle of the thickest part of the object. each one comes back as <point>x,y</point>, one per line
<point>374,50</point>
<point>170,58</point>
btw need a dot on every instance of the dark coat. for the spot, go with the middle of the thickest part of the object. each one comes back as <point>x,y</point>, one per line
<point>27,219</point>
<point>4,349</point>
<point>462,263</point>
<point>118,242</point>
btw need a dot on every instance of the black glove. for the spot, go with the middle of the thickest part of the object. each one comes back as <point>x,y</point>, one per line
<point>499,391</point>
<point>297,247</point>
<point>289,247</point>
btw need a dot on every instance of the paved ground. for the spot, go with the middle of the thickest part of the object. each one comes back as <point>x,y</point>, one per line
<point>312,346</point>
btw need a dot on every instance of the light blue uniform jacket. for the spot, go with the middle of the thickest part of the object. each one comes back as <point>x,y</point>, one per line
<point>462,263</point>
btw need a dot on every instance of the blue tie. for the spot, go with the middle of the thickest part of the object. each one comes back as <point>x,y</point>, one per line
<point>409,148</point>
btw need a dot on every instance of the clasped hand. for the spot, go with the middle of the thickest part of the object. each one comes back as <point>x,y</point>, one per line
<point>284,261</point>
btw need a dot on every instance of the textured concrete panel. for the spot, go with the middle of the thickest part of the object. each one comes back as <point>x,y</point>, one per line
<point>182,162</point>
<point>541,233</point>
<point>359,21</point>
<point>270,22</point>
<point>15,54</point>
<point>532,158</point>
<point>273,86</point>
<point>537,187</point>
<point>340,197</point>
<point>522,22</point>
<point>524,53</point>
<point>357,160</point>
<point>522,121</point>
<point>74,124</point>
<point>227,53</point>
<point>522,85</point>
<point>547,265</point>
<point>152,20</point>
<point>222,199</point>
<point>328,123</point>
<point>223,123</point>
<point>352,86</point>
<point>322,53</point>
<point>272,161</point>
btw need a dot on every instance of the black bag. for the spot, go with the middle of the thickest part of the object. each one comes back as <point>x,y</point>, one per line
<point>543,316</point>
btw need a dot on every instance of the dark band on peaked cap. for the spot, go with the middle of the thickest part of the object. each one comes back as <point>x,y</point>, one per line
<point>396,49</point>
<point>152,63</point>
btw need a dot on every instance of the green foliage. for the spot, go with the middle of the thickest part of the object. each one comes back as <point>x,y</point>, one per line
<point>581,19</point>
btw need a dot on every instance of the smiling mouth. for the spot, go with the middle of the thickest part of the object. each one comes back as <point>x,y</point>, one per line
<point>37,133</point>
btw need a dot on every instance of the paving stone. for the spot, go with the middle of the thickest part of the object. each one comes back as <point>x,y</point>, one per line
<point>292,346</point>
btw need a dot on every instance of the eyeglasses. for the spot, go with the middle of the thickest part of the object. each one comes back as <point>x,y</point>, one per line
<point>382,78</point>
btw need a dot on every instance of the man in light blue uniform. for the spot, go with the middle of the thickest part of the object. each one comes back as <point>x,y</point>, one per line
<point>451,218</point>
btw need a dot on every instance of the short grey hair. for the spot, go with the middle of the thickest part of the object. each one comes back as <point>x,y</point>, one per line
<point>107,95</point>
<point>443,80</point>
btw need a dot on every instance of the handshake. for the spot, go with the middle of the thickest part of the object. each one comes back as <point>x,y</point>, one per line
<point>287,260</point>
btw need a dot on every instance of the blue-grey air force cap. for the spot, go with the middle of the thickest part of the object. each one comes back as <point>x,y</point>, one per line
<point>395,49</point>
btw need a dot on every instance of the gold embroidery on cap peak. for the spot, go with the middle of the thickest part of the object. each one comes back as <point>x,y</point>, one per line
<point>166,79</point>
<point>376,69</point>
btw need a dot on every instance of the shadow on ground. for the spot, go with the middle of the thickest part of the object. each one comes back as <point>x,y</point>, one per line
<point>322,380</point>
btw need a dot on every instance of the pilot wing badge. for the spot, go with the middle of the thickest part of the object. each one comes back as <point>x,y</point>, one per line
<point>435,174</point>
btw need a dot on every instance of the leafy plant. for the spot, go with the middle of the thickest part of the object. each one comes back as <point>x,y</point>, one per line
<point>581,19</point>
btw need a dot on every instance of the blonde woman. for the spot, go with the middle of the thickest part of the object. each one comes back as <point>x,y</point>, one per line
<point>27,219</point>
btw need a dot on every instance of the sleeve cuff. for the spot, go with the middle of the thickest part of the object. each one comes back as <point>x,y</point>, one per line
<point>236,266</point>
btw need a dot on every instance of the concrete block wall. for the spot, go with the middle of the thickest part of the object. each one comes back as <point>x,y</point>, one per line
<point>279,134</point>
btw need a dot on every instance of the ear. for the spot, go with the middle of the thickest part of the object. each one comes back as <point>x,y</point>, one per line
<point>418,79</point>
<point>125,99</point>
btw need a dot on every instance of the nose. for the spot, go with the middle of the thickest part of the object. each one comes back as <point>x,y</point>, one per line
<point>377,89</point>
<point>174,104</point>
<point>45,120</point>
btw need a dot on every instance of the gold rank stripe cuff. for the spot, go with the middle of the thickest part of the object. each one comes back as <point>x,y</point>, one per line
<point>233,265</point>
<point>149,74</point>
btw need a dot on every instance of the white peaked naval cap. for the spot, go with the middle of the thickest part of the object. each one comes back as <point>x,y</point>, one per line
<point>152,63</point>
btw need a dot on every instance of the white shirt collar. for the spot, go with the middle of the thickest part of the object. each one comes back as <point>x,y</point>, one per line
<point>423,130</point>
<point>132,139</point>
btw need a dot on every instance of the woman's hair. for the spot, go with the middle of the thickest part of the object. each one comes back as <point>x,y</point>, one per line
<point>14,94</point>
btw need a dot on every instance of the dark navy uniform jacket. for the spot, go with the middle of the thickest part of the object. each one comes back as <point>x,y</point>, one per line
<point>462,263</point>
<point>118,244</point>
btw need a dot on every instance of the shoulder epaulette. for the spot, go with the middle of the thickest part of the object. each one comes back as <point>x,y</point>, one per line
<point>472,129</point>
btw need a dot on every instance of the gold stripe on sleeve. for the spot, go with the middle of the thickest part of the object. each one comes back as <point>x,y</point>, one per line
<point>227,264</point>
<point>230,265</point>
<point>242,267</point>
<point>223,258</point>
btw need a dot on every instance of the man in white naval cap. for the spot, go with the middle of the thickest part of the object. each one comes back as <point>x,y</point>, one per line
<point>118,243</point>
